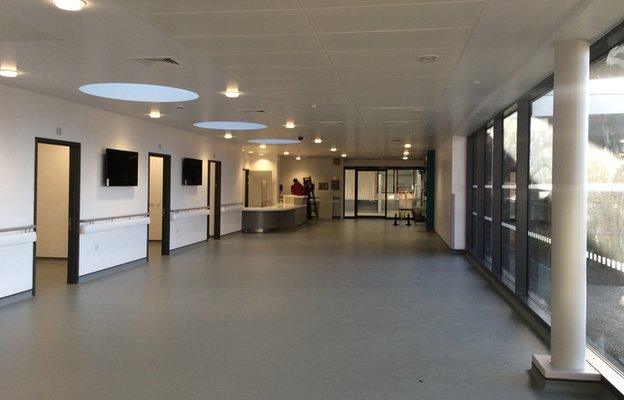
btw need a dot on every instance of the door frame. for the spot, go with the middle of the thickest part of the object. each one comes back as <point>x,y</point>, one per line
<point>216,234</point>
<point>165,247</point>
<point>73,225</point>
<point>246,171</point>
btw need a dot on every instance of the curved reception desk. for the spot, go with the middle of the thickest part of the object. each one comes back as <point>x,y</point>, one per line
<point>268,219</point>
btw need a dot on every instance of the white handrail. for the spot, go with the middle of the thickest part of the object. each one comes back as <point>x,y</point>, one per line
<point>183,214</point>
<point>108,225</point>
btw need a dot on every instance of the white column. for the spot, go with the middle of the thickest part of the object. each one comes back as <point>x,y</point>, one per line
<point>569,216</point>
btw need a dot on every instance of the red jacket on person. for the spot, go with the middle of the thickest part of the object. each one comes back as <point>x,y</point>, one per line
<point>297,189</point>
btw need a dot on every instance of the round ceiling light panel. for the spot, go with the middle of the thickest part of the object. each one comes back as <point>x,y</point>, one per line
<point>139,92</point>
<point>230,125</point>
<point>274,141</point>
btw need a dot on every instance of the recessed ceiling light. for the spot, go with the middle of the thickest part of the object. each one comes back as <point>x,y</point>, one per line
<point>263,146</point>
<point>408,146</point>
<point>298,158</point>
<point>230,125</point>
<point>154,114</point>
<point>405,157</point>
<point>260,154</point>
<point>9,73</point>
<point>289,125</point>
<point>477,82</point>
<point>273,141</point>
<point>286,153</point>
<point>343,155</point>
<point>251,152</point>
<point>333,149</point>
<point>231,93</point>
<point>139,92</point>
<point>428,58</point>
<point>70,5</point>
<point>228,135</point>
<point>318,140</point>
<point>406,153</point>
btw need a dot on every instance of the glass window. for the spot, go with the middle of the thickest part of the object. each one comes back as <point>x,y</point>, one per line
<point>605,219</point>
<point>540,194</point>
<point>487,213</point>
<point>349,196</point>
<point>508,217</point>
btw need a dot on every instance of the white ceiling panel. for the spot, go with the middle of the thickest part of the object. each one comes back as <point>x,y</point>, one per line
<point>283,72</point>
<point>374,70</point>
<point>365,3</point>
<point>208,24</point>
<point>306,43</point>
<point>447,37</point>
<point>269,60</point>
<point>181,6</point>
<point>393,57</point>
<point>398,17</point>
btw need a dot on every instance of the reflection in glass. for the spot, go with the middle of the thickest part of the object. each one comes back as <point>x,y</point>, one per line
<point>605,219</point>
<point>540,194</point>
<point>487,223</point>
<point>508,238</point>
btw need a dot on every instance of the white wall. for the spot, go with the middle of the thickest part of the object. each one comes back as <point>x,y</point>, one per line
<point>450,191</point>
<point>52,200</point>
<point>25,115</point>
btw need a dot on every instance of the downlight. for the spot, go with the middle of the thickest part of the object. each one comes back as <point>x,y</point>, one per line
<point>9,73</point>
<point>155,114</point>
<point>343,155</point>
<point>318,140</point>
<point>408,146</point>
<point>290,125</point>
<point>333,149</point>
<point>139,92</point>
<point>229,136</point>
<point>287,153</point>
<point>70,5</point>
<point>298,158</point>
<point>428,58</point>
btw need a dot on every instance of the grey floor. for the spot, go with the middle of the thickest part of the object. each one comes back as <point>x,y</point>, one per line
<point>342,310</point>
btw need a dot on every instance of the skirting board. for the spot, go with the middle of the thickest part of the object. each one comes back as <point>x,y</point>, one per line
<point>17,297</point>
<point>112,270</point>
<point>185,247</point>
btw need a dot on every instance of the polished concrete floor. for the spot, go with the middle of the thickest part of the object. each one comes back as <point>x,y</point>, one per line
<point>335,310</point>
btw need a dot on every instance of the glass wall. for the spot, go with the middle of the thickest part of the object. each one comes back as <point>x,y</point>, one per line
<point>508,216</point>
<point>531,144</point>
<point>605,217</point>
<point>349,193</point>
<point>487,210</point>
<point>540,194</point>
<point>371,189</point>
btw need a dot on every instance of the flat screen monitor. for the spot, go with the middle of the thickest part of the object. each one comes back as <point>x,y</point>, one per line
<point>121,168</point>
<point>192,172</point>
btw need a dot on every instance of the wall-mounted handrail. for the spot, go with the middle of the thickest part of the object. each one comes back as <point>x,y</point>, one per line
<point>94,220</point>
<point>190,209</point>
<point>231,204</point>
<point>19,229</point>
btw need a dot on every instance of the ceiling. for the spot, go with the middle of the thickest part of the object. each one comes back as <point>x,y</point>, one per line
<point>343,70</point>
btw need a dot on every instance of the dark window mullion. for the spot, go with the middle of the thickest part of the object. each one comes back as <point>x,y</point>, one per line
<point>497,196</point>
<point>522,198</point>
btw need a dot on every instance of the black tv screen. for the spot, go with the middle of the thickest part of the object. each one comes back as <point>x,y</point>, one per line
<point>192,172</point>
<point>121,168</point>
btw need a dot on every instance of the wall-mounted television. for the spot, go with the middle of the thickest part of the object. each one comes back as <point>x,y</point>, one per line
<point>121,168</point>
<point>192,171</point>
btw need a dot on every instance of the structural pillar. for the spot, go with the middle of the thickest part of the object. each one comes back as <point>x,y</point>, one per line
<point>569,217</point>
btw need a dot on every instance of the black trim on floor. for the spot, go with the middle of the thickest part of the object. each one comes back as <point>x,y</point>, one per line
<point>111,270</point>
<point>17,297</point>
<point>186,246</point>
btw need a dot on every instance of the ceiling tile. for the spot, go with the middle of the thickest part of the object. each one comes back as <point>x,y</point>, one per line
<point>399,17</point>
<point>396,40</point>
<point>254,44</point>
<point>168,6</point>
<point>282,72</point>
<point>394,57</point>
<point>269,60</point>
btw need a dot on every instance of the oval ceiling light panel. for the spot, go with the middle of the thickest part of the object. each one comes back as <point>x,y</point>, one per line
<point>274,141</point>
<point>70,5</point>
<point>139,92</point>
<point>230,125</point>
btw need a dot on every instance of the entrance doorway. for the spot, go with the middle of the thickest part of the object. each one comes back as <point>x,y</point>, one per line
<point>57,213</point>
<point>159,203</point>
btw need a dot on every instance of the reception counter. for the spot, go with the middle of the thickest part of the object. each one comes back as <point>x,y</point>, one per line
<point>267,219</point>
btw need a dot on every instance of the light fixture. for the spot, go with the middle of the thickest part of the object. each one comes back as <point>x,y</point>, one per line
<point>9,73</point>
<point>139,92</point>
<point>263,146</point>
<point>231,93</point>
<point>408,146</point>
<point>405,157</point>
<point>289,124</point>
<point>333,149</point>
<point>228,135</point>
<point>155,114</point>
<point>298,158</point>
<point>243,149</point>
<point>260,154</point>
<point>251,152</point>
<point>230,125</point>
<point>70,5</point>
<point>286,153</point>
<point>343,155</point>
<point>318,140</point>
<point>406,153</point>
<point>428,58</point>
